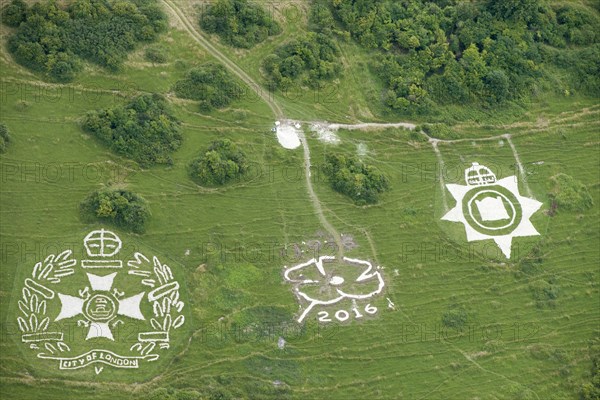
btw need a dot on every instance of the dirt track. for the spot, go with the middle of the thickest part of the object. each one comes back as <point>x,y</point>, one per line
<point>204,42</point>
<point>201,39</point>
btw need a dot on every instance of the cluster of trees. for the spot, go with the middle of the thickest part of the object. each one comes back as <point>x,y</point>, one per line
<point>454,52</point>
<point>4,137</point>
<point>53,40</point>
<point>308,59</point>
<point>120,207</point>
<point>14,13</point>
<point>210,84</point>
<point>239,23</point>
<point>361,182</point>
<point>144,129</point>
<point>219,164</point>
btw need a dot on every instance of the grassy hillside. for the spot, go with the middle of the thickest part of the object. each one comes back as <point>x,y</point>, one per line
<point>526,321</point>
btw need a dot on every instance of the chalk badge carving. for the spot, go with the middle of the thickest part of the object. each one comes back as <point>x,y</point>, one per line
<point>492,209</point>
<point>96,297</point>
<point>319,285</point>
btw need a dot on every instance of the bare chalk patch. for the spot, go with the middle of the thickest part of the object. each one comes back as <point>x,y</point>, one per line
<point>361,149</point>
<point>288,134</point>
<point>324,133</point>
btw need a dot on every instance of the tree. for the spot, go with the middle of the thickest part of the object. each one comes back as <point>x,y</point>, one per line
<point>14,13</point>
<point>238,23</point>
<point>210,84</point>
<point>144,130</point>
<point>222,162</point>
<point>311,58</point>
<point>497,86</point>
<point>478,53</point>
<point>54,40</point>
<point>475,68</point>
<point>120,207</point>
<point>514,9</point>
<point>361,182</point>
<point>321,19</point>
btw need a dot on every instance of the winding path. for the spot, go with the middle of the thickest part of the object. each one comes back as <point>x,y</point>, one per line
<point>240,73</point>
<point>268,98</point>
<point>373,125</point>
<point>313,196</point>
<point>204,42</point>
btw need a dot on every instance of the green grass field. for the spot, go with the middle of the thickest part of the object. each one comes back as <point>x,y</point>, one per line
<point>228,246</point>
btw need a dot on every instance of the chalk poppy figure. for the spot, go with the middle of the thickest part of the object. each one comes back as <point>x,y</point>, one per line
<point>491,208</point>
<point>319,281</point>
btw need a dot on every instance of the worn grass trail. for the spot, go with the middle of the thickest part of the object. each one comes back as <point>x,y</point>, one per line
<point>268,98</point>
<point>277,111</point>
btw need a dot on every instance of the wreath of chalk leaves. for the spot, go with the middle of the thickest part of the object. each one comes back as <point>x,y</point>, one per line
<point>47,275</point>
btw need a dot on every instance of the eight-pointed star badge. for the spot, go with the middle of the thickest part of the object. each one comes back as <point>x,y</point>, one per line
<point>491,209</point>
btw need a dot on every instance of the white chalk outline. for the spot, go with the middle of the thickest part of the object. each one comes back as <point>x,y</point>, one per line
<point>165,303</point>
<point>38,290</point>
<point>504,241</point>
<point>365,275</point>
<point>107,239</point>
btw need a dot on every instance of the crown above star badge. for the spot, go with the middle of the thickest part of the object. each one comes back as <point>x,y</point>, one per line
<point>492,209</point>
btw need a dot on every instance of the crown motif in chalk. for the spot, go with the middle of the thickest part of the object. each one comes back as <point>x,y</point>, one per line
<point>102,245</point>
<point>479,175</point>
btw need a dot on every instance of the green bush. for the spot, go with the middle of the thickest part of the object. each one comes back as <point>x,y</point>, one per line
<point>532,263</point>
<point>577,24</point>
<point>4,137</point>
<point>455,317</point>
<point>156,54</point>
<point>122,208</point>
<point>161,394</point>
<point>238,23</point>
<point>222,162</point>
<point>14,13</point>
<point>53,40</point>
<point>361,182</point>
<point>308,59</point>
<point>544,291</point>
<point>570,194</point>
<point>210,84</point>
<point>22,105</point>
<point>187,395</point>
<point>144,130</point>
<point>239,276</point>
